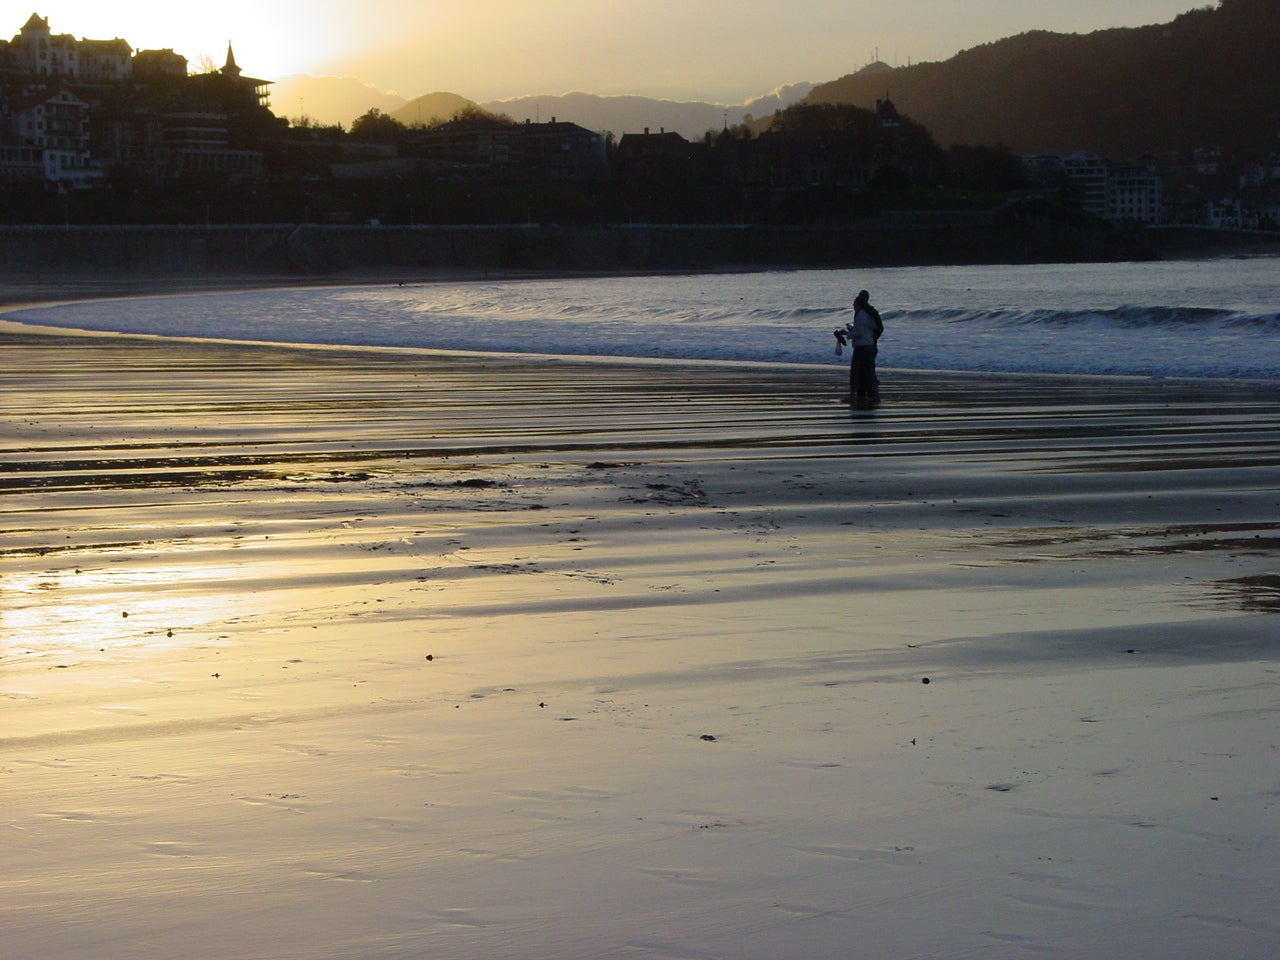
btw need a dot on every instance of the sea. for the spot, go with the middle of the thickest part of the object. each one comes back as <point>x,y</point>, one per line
<point>1217,318</point>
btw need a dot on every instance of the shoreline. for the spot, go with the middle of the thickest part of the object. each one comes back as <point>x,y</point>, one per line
<point>837,375</point>
<point>346,652</point>
<point>16,296</point>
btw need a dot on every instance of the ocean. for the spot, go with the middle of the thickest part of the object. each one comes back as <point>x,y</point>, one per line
<point>1202,319</point>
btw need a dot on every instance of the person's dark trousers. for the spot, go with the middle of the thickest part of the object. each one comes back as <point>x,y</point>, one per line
<point>862,374</point>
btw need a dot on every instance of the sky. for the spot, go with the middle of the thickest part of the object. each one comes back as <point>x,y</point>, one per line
<point>720,51</point>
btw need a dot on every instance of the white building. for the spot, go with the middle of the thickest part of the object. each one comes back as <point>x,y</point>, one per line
<point>61,56</point>
<point>1119,193</point>
<point>48,133</point>
<point>1229,215</point>
<point>105,61</point>
<point>1135,194</point>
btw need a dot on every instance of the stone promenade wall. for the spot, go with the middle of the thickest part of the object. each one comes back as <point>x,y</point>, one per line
<point>314,250</point>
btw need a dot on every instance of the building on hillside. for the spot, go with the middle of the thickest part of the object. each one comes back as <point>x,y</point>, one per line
<point>199,144</point>
<point>1227,215</point>
<point>181,143</point>
<point>559,149</point>
<point>655,156</point>
<point>800,159</point>
<point>38,51</point>
<point>1207,161</point>
<point>134,141</point>
<point>150,66</point>
<point>204,125</point>
<point>556,149</point>
<point>1042,168</point>
<point>213,133</point>
<point>1135,194</point>
<point>105,61</point>
<point>888,121</point>
<point>230,81</point>
<point>1089,177</point>
<point>1269,216</point>
<point>1116,192</point>
<point>259,87</point>
<point>469,141</point>
<point>887,114</point>
<point>18,163</point>
<point>45,133</point>
<point>1261,172</point>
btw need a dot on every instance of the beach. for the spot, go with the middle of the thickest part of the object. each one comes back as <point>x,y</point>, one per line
<point>319,652</point>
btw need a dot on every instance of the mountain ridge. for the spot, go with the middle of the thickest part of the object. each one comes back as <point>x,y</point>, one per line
<point>632,113</point>
<point>339,100</point>
<point>1205,79</point>
<point>332,100</point>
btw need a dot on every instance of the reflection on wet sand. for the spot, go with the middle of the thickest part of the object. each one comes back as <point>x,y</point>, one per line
<point>419,651</point>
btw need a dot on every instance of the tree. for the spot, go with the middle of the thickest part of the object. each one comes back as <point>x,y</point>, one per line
<point>470,117</point>
<point>814,117</point>
<point>310,126</point>
<point>377,127</point>
<point>990,169</point>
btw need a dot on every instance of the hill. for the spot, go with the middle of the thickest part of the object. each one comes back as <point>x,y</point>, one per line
<point>330,100</point>
<point>625,114</point>
<point>632,114</point>
<point>1208,78</point>
<point>431,108</point>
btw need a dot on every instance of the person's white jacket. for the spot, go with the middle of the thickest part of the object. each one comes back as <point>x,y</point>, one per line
<point>862,332</point>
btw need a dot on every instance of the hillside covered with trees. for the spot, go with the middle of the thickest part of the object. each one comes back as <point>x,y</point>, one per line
<point>1207,79</point>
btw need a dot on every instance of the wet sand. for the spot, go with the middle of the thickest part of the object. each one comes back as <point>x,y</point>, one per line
<point>347,653</point>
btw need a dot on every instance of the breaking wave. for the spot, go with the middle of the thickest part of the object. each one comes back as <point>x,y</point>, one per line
<point>1108,319</point>
<point>1125,317</point>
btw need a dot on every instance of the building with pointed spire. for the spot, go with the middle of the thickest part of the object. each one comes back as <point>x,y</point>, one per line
<point>231,72</point>
<point>57,126</point>
<point>887,114</point>
<point>217,129</point>
<point>230,68</point>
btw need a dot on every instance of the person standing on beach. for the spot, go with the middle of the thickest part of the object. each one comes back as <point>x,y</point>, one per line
<point>863,335</point>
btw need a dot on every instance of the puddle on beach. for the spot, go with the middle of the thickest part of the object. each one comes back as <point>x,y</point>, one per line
<point>1252,594</point>
<point>108,611</point>
<point>1165,540</point>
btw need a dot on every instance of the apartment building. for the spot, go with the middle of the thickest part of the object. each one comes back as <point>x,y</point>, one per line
<point>49,132</point>
<point>44,132</point>
<point>1117,192</point>
<point>42,53</point>
<point>1135,194</point>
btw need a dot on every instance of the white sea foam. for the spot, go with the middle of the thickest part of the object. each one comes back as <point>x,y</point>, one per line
<point>1217,318</point>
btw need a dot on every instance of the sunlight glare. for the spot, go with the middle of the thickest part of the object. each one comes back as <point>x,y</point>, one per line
<point>269,40</point>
